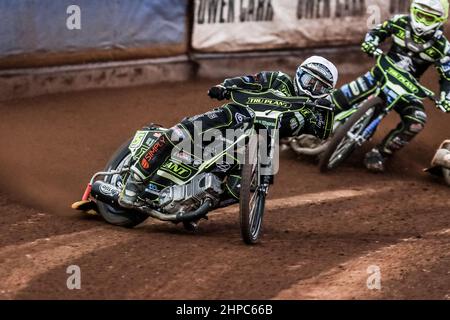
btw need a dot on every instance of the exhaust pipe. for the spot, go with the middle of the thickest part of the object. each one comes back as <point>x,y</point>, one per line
<point>196,214</point>
<point>308,151</point>
<point>106,193</point>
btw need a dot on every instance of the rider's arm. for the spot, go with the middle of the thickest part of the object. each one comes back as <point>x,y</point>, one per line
<point>222,90</point>
<point>378,34</point>
<point>443,67</point>
<point>384,30</point>
<point>258,82</point>
<point>263,81</point>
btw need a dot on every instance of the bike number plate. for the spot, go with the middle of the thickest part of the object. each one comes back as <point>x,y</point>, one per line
<point>142,140</point>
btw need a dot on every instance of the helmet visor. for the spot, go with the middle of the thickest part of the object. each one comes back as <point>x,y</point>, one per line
<point>312,85</point>
<point>426,18</point>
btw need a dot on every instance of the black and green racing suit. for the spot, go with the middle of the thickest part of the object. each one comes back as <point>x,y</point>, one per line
<point>435,50</point>
<point>293,122</point>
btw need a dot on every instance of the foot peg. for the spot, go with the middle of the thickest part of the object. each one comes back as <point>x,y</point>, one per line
<point>191,226</point>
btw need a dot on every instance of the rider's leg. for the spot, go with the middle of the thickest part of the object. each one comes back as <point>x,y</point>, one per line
<point>413,120</point>
<point>233,186</point>
<point>356,91</point>
<point>146,165</point>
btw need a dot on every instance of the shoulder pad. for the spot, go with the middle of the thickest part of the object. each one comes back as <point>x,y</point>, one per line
<point>264,76</point>
<point>398,17</point>
<point>284,75</point>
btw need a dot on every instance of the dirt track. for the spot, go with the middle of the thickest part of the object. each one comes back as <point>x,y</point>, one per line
<point>318,243</point>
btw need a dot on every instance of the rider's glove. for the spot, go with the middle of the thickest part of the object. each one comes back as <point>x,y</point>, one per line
<point>444,103</point>
<point>218,92</point>
<point>370,45</point>
<point>319,120</point>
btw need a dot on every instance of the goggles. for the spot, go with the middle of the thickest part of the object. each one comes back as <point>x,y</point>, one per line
<point>312,84</point>
<point>426,18</point>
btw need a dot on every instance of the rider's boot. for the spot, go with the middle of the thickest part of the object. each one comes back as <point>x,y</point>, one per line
<point>191,226</point>
<point>132,189</point>
<point>375,160</point>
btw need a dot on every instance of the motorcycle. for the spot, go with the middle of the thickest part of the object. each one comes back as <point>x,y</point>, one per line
<point>440,165</point>
<point>182,192</point>
<point>356,126</point>
<point>353,127</point>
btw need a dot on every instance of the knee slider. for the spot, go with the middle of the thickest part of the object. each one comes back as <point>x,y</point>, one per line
<point>416,127</point>
<point>417,122</point>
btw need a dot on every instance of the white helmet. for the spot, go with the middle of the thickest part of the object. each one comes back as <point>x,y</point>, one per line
<point>427,16</point>
<point>315,77</point>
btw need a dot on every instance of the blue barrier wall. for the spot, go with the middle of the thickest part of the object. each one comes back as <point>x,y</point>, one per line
<point>33,26</point>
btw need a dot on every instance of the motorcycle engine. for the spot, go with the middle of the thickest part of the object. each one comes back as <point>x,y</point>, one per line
<point>185,198</point>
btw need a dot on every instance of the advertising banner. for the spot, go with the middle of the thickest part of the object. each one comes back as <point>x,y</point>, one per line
<point>49,26</point>
<point>244,25</point>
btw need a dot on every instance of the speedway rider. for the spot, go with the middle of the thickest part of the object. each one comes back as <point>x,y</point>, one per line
<point>313,82</point>
<point>418,42</point>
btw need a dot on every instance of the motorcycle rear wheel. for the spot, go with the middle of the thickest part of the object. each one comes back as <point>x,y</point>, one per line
<point>112,215</point>
<point>445,171</point>
<point>335,153</point>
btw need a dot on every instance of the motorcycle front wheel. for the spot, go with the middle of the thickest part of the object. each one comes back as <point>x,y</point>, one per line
<point>341,145</point>
<point>252,198</point>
